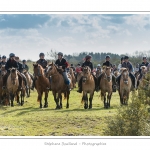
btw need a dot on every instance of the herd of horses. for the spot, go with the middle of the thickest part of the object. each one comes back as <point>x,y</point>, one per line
<point>52,79</point>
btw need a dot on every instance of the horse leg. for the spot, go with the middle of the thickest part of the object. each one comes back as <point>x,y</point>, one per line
<point>67,105</point>
<point>57,101</point>
<point>105,101</point>
<point>46,97</point>
<point>90,100</point>
<point>12,99</point>
<point>109,100</point>
<point>85,101</point>
<point>60,101</point>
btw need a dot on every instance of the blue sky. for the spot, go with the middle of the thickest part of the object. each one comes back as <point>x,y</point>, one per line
<point>27,35</point>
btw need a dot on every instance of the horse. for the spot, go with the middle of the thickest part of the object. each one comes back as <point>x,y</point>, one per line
<point>3,70</point>
<point>58,85</point>
<point>29,81</point>
<point>106,86</point>
<point>72,77</point>
<point>116,73</point>
<point>12,85</point>
<point>42,84</point>
<point>88,86</point>
<point>1,84</point>
<point>125,86</point>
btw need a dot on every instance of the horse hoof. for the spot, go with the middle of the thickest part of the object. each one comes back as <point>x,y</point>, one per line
<point>12,105</point>
<point>40,106</point>
<point>85,107</point>
<point>45,106</point>
<point>90,107</point>
<point>57,107</point>
<point>67,106</point>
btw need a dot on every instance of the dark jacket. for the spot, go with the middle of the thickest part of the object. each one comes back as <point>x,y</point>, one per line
<point>2,63</point>
<point>73,68</point>
<point>62,63</point>
<point>20,67</point>
<point>25,67</point>
<point>42,62</point>
<point>89,64</point>
<point>11,64</point>
<point>107,63</point>
<point>128,65</point>
<point>143,64</point>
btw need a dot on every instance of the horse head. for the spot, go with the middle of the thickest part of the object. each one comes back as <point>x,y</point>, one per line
<point>86,73</point>
<point>125,75</point>
<point>13,74</point>
<point>38,70</point>
<point>51,70</point>
<point>107,72</point>
<point>143,70</point>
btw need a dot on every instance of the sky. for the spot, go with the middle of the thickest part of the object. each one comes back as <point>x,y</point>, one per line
<point>27,35</point>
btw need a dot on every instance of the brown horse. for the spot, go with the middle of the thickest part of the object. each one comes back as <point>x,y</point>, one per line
<point>106,86</point>
<point>29,81</point>
<point>42,84</point>
<point>116,73</point>
<point>73,79</point>
<point>58,85</point>
<point>12,85</point>
<point>125,86</point>
<point>88,86</point>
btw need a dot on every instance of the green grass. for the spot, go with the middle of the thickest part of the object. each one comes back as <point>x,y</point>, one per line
<point>30,120</point>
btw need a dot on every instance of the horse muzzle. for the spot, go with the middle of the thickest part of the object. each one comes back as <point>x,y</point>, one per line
<point>84,80</point>
<point>126,82</point>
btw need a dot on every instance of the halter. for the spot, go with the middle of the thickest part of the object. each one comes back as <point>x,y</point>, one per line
<point>107,77</point>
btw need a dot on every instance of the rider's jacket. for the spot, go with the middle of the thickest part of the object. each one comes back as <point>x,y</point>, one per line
<point>42,62</point>
<point>11,64</point>
<point>107,63</point>
<point>89,64</point>
<point>128,65</point>
<point>62,63</point>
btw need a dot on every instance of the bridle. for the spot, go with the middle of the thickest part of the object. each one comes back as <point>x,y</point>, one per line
<point>124,79</point>
<point>106,77</point>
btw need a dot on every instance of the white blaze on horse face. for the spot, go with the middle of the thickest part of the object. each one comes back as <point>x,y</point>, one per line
<point>48,68</point>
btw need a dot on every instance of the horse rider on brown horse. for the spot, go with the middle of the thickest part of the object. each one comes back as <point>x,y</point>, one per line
<point>144,63</point>
<point>41,62</point>
<point>90,65</point>
<point>20,69</point>
<point>108,64</point>
<point>25,67</point>
<point>128,65</point>
<point>63,64</point>
<point>11,63</point>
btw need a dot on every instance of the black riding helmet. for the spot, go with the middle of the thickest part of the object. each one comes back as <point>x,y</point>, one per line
<point>88,57</point>
<point>144,57</point>
<point>11,55</point>
<point>126,57</point>
<point>60,53</point>
<point>3,57</point>
<point>107,56</point>
<point>41,54</point>
<point>23,60</point>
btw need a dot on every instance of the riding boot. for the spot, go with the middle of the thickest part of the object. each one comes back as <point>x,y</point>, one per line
<point>33,84</point>
<point>31,76</point>
<point>118,81</point>
<point>133,80</point>
<point>25,80</point>
<point>80,86</point>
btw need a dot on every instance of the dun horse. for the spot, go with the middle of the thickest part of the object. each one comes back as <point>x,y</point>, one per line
<point>88,86</point>
<point>42,84</point>
<point>125,86</point>
<point>106,86</point>
<point>58,86</point>
<point>12,85</point>
<point>29,81</point>
<point>72,77</point>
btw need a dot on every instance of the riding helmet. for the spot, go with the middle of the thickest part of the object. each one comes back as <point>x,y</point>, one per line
<point>11,55</point>
<point>24,60</point>
<point>88,57</point>
<point>41,54</point>
<point>3,57</point>
<point>144,57</point>
<point>126,57</point>
<point>60,53</point>
<point>72,65</point>
<point>98,65</point>
<point>122,58</point>
<point>107,56</point>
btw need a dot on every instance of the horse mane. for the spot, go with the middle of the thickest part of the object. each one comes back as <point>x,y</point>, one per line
<point>38,65</point>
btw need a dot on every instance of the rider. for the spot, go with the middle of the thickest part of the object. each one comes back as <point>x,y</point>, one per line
<point>20,69</point>
<point>98,67</point>
<point>120,65</point>
<point>144,63</point>
<point>3,62</point>
<point>108,64</point>
<point>71,66</point>
<point>78,68</point>
<point>11,63</point>
<point>90,65</point>
<point>62,64</point>
<point>114,68</point>
<point>43,63</point>
<point>137,68</point>
<point>127,64</point>
<point>25,66</point>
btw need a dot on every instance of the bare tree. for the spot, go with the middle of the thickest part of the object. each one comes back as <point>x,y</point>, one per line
<point>52,54</point>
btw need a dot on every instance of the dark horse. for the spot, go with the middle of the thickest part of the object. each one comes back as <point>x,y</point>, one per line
<point>42,84</point>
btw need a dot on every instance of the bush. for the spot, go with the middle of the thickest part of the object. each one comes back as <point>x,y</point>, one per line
<point>131,120</point>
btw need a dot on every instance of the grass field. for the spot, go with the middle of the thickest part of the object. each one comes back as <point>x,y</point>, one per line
<point>30,120</point>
